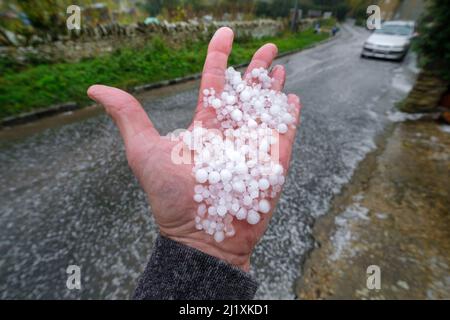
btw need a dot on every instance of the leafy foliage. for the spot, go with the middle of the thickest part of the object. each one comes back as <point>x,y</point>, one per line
<point>47,16</point>
<point>433,43</point>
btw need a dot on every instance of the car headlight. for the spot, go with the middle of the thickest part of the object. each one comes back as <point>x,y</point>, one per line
<point>368,45</point>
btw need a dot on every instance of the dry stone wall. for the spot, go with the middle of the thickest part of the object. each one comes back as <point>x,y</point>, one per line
<point>94,41</point>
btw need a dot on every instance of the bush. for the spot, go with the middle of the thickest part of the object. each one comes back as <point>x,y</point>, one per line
<point>327,23</point>
<point>341,11</point>
<point>433,43</point>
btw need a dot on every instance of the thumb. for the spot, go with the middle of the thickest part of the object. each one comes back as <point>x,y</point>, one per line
<point>126,112</point>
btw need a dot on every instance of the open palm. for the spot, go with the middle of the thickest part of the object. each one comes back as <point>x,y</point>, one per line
<point>170,186</point>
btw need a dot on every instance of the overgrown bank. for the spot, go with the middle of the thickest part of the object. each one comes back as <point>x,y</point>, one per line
<point>44,85</point>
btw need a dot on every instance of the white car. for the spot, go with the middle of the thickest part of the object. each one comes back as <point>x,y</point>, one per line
<point>392,41</point>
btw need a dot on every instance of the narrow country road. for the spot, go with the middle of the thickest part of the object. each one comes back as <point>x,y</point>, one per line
<point>68,197</point>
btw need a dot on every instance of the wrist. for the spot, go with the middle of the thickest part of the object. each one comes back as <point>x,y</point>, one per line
<point>241,261</point>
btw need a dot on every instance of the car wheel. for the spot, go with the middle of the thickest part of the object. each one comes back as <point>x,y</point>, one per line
<point>401,58</point>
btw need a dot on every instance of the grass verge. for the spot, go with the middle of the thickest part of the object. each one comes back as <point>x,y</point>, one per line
<point>43,85</point>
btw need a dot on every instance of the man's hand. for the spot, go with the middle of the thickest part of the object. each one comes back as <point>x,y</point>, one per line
<point>169,186</point>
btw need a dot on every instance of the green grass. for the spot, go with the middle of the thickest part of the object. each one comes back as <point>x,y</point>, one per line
<point>43,85</point>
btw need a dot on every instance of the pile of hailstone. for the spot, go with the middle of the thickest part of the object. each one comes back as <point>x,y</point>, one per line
<point>236,165</point>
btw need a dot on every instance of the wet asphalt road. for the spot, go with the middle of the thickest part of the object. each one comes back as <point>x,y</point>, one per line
<point>68,197</point>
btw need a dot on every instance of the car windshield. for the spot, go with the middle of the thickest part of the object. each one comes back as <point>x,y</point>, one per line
<point>397,30</point>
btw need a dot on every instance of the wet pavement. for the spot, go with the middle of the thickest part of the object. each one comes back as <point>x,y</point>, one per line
<point>68,197</point>
<point>394,216</point>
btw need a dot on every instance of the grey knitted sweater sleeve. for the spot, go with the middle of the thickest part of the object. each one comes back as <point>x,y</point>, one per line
<point>177,272</point>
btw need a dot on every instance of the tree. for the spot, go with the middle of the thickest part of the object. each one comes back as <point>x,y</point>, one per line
<point>433,44</point>
<point>153,7</point>
<point>433,47</point>
<point>46,16</point>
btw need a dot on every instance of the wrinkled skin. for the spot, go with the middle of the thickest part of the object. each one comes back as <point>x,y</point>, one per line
<point>169,186</point>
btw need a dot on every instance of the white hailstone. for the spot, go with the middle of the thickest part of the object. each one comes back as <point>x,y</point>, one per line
<point>273,179</point>
<point>252,124</point>
<point>231,154</point>
<point>225,175</point>
<point>187,139</point>
<point>253,185</point>
<point>201,175</point>
<point>230,99</point>
<point>216,103</point>
<point>259,104</point>
<point>206,194</point>
<point>221,210</point>
<point>254,194</point>
<point>287,118</point>
<point>253,217</point>
<point>198,197</point>
<point>219,236</point>
<point>264,206</point>
<point>273,140</point>
<point>241,214</point>
<point>236,115</point>
<point>254,172</point>
<point>251,163</point>
<point>236,80</point>
<point>224,95</point>
<point>241,168</point>
<point>263,184</point>
<point>230,232</point>
<point>212,211</point>
<point>282,128</point>
<point>205,92</point>
<point>213,177</point>
<point>274,110</point>
<point>265,117</point>
<point>239,186</point>
<point>277,169</point>
<point>245,95</point>
<point>240,87</point>
<point>201,210</point>
<point>235,207</point>
<point>205,155</point>
<point>256,72</point>
<point>247,200</point>
<point>264,145</point>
